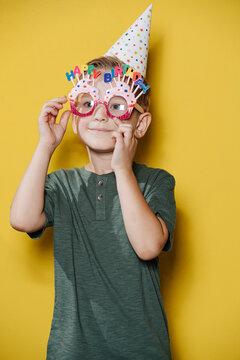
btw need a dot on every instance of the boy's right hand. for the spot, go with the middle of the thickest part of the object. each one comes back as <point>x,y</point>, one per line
<point>50,132</point>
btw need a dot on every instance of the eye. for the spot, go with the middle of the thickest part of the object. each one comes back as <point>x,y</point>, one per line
<point>117,106</point>
<point>88,104</point>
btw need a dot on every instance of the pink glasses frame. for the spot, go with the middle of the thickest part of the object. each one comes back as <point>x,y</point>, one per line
<point>122,117</point>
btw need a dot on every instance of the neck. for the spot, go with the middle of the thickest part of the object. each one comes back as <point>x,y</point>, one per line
<point>99,163</point>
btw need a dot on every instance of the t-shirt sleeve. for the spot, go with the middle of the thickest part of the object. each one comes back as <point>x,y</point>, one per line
<point>161,200</point>
<point>49,196</point>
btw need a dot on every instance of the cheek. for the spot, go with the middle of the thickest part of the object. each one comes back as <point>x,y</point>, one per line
<point>83,124</point>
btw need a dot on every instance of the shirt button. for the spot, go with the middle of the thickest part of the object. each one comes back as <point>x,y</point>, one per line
<point>100,183</point>
<point>100,197</point>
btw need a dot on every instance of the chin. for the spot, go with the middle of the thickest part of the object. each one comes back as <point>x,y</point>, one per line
<point>100,149</point>
<point>100,145</point>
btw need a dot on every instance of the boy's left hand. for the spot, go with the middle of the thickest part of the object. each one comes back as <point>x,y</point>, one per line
<point>125,147</point>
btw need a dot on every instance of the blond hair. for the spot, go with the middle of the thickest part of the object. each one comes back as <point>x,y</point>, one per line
<point>105,62</point>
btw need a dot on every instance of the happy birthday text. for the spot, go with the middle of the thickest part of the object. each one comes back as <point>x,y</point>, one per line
<point>108,76</point>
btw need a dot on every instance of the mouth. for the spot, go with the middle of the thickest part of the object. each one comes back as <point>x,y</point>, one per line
<point>100,130</point>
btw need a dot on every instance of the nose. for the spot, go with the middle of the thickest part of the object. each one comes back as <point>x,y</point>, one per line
<point>100,112</point>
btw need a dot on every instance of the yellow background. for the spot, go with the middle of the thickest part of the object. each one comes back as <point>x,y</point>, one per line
<point>193,70</point>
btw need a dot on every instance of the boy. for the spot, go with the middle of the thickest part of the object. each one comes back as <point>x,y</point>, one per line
<point>108,233</point>
<point>111,218</point>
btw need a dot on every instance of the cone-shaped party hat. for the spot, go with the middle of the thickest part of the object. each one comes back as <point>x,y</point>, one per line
<point>132,46</point>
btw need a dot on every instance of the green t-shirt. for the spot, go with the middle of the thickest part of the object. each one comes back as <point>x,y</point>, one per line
<point>108,304</point>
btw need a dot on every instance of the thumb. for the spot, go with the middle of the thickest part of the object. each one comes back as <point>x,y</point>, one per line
<point>117,121</point>
<point>64,119</point>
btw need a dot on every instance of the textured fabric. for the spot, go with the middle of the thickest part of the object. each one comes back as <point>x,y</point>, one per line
<point>108,304</point>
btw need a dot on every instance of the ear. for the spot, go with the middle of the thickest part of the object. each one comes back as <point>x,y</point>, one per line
<point>142,125</point>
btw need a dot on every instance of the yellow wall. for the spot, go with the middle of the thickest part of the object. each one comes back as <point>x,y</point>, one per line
<point>193,69</point>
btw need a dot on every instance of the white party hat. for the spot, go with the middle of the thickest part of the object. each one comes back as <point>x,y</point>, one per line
<point>132,46</point>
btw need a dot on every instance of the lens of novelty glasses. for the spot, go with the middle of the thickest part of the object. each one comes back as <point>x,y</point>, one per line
<point>84,103</point>
<point>117,106</point>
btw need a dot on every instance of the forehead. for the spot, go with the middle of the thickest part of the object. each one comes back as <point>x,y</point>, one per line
<point>100,83</point>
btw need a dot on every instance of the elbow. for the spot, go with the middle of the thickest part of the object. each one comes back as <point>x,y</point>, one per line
<point>13,222</point>
<point>27,225</point>
<point>16,225</point>
<point>150,255</point>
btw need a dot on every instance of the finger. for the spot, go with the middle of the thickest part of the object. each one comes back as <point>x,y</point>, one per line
<point>49,110</point>
<point>64,119</point>
<point>120,123</point>
<point>60,99</point>
<point>55,104</point>
<point>117,121</point>
<point>125,129</point>
<point>118,137</point>
<point>127,133</point>
<point>127,126</point>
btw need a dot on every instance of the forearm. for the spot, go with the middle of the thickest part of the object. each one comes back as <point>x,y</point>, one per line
<point>144,230</point>
<point>28,202</point>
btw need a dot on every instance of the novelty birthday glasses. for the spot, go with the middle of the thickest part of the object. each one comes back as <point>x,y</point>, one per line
<point>119,100</point>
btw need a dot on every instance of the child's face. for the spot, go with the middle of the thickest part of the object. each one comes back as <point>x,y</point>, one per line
<point>95,130</point>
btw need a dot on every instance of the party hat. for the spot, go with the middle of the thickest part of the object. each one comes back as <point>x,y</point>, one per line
<point>132,46</point>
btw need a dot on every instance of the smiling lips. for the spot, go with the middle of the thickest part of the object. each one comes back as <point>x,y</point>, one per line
<point>101,129</point>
